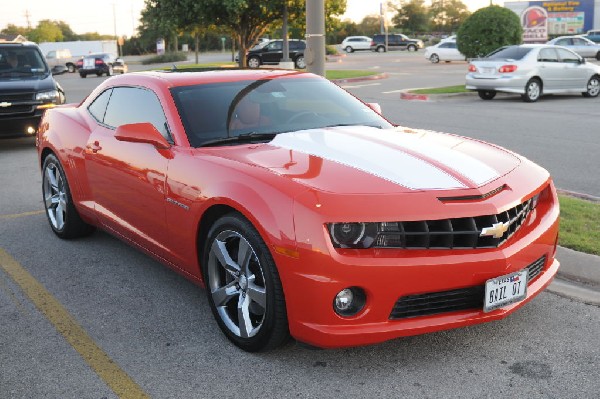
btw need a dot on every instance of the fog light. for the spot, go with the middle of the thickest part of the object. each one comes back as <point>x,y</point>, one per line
<point>349,301</point>
<point>30,130</point>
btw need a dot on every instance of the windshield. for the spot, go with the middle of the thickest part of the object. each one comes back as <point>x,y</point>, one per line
<point>509,53</point>
<point>21,61</point>
<point>216,111</point>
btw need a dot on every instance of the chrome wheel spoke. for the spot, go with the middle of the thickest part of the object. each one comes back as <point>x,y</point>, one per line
<point>219,249</point>
<point>257,294</point>
<point>222,296</point>
<point>245,254</point>
<point>51,174</point>
<point>244,321</point>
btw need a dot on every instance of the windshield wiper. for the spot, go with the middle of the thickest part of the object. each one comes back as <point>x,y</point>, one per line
<point>241,139</point>
<point>352,124</point>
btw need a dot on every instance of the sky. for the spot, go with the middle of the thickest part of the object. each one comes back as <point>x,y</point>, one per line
<point>122,16</point>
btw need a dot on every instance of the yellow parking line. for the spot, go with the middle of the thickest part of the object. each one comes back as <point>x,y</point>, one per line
<point>67,326</point>
<point>19,215</point>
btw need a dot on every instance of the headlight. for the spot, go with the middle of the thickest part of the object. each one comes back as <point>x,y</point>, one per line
<point>353,235</point>
<point>51,95</point>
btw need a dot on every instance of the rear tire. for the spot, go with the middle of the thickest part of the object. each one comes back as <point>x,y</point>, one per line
<point>243,286</point>
<point>83,75</point>
<point>71,68</point>
<point>253,62</point>
<point>486,94</point>
<point>533,91</point>
<point>381,49</point>
<point>300,62</point>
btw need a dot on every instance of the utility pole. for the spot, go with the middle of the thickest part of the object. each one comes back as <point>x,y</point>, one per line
<point>315,37</point>
<point>27,15</point>
<point>115,26</point>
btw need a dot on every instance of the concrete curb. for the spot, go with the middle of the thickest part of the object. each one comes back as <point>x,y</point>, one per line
<point>407,95</point>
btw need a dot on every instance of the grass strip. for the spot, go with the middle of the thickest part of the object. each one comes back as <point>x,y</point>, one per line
<point>579,224</point>
<point>441,90</point>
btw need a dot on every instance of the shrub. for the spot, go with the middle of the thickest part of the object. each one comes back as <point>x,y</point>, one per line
<point>488,29</point>
<point>166,57</point>
<point>330,50</point>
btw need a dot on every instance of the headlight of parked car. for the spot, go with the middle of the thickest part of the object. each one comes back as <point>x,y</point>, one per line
<point>51,95</point>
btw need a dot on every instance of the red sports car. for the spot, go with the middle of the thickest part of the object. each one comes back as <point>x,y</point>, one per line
<point>301,209</point>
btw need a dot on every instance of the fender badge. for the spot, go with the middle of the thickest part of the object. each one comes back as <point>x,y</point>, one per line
<point>497,230</point>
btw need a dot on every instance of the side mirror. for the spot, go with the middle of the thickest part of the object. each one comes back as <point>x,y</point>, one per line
<point>375,107</point>
<point>582,60</point>
<point>142,133</point>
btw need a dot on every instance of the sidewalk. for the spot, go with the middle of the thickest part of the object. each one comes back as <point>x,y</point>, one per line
<point>578,277</point>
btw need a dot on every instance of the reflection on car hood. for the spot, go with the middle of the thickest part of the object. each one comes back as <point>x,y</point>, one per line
<point>361,159</point>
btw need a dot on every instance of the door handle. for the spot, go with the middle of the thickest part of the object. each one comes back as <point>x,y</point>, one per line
<point>94,147</point>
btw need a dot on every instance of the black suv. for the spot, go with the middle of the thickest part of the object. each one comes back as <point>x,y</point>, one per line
<point>272,53</point>
<point>99,64</point>
<point>27,88</point>
<point>395,41</point>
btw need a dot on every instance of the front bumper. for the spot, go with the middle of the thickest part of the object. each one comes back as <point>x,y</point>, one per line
<point>20,125</point>
<point>313,279</point>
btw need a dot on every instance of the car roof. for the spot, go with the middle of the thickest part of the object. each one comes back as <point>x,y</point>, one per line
<point>18,44</point>
<point>192,77</point>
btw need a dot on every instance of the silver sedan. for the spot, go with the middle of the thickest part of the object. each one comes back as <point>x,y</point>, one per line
<point>532,70</point>
<point>579,44</point>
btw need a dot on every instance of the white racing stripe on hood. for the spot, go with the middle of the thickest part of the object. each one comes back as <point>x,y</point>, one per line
<point>373,157</point>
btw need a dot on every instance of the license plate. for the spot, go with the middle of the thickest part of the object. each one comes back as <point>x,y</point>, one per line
<point>89,63</point>
<point>505,290</point>
<point>488,70</point>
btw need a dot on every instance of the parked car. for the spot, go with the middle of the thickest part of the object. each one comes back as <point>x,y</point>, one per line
<point>355,43</point>
<point>300,209</point>
<point>593,35</point>
<point>27,88</point>
<point>444,51</point>
<point>579,44</point>
<point>532,70</point>
<point>272,54</point>
<point>395,41</point>
<point>100,64</point>
<point>62,57</point>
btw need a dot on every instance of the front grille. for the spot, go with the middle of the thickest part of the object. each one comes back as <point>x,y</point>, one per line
<point>456,233</point>
<point>16,109</point>
<point>16,97</point>
<point>451,301</point>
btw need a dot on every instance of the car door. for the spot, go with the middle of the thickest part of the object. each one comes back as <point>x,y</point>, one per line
<point>273,52</point>
<point>128,179</point>
<point>584,48</point>
<point>575,72</point>
<point>449,52</point>
<point>550,69</point>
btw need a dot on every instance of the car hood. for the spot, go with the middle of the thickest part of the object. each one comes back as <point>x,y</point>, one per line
<point>27,83</point>
<point>368,160</point>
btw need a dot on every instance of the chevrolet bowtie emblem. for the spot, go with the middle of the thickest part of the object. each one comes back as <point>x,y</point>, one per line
<point>5,104</point>
<point>497,230</point>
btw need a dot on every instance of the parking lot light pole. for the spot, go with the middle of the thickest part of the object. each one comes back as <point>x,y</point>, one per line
<point>315,37</point>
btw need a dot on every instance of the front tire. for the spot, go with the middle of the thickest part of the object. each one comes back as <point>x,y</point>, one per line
<point>533,91</point>
<point>349,49</point>
<point>83,75</point>
<point>486,94</point>
<point>593,87</point>
<point>434,58</point>
<point>60,210</point>
<point>243,286</point>
<point>71,68</point>
<point>412,48</point>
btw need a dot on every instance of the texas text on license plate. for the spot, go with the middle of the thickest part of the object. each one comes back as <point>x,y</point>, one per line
<point>505,290</point>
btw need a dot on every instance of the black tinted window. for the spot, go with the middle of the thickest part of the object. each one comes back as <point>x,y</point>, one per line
<point>509,53</point>
<point>135,105</point>
<point>98,107</point>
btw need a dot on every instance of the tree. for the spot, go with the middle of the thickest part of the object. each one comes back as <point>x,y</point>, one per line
<point>487,29</point>
<point>12,29</point>
<point>448,15</point>
<point>46,31</point>
<point>370,25</point>
<point>411,16</point>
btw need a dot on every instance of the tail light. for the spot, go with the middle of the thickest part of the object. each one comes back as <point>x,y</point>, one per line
<point>507,68</point>
<point>372,42</point>
<point>472,68</point>
<point>99,62</point>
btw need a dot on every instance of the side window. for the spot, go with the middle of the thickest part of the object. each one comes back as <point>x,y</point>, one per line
<point>135,105</point>
<point>567,56</point>
<point>547,55</point>
<point>98,108</point>
<point>278,45</point>
<point>51,54</point>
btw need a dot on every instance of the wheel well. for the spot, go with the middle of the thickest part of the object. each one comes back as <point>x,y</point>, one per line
<point>210,216</point>
<point>45,152</point>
